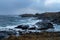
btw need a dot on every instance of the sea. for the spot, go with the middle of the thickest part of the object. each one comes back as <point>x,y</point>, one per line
<point>12,21</point>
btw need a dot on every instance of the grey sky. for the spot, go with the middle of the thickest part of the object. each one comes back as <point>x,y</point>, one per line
<point>13,7</point>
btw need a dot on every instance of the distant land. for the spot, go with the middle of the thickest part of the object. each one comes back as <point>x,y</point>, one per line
<point>52,16</point>
<point>46,14</point>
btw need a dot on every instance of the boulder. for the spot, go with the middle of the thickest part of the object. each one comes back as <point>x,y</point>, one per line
<point>56,20</point>
<point>44,25</point>
<point>32,28</point>
<point>20,32</point>
<point>24,27</point>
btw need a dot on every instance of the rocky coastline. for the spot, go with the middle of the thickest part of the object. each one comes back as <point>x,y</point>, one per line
<point>39,28</point>
<point>52,16</point>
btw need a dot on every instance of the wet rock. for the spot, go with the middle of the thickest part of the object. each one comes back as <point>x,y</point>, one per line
<point>56,20</point>
<point>22,27</point>
<point>6,34</point>
<point>3,35</point>
<point>20,32</point>
<point>32,28</point>
<point>44,25</point>
<point>11,33</point>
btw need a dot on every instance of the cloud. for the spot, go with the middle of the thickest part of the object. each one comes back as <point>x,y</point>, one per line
<point>52,5</point>
<point>51,2</point>
<point>13,7</point>
<point>27,10</point>
<point>13,4</point>
<point>9,6</point>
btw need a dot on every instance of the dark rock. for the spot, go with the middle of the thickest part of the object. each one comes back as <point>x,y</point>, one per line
<point>50,25</point>
<point>27,15</point>
<point>6,34</point>
<point>3,35</point>
<point>22,27</point>
<point>9,32</point>
<point>44,25</point>
<point>56,20</point>
<point>20,32</point>
<point>32,28</point>
<point>19,26</point>
<point>48,15</point>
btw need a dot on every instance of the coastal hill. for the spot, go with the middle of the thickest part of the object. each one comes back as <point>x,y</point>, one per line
<point>46,15</point>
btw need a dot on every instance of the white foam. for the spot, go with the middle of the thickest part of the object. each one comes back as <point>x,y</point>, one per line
<point>7,28</point>
<point>57,27</point>
<point>11,26</point>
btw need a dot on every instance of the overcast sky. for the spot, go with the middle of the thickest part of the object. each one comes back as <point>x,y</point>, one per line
<point>13,7</point>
